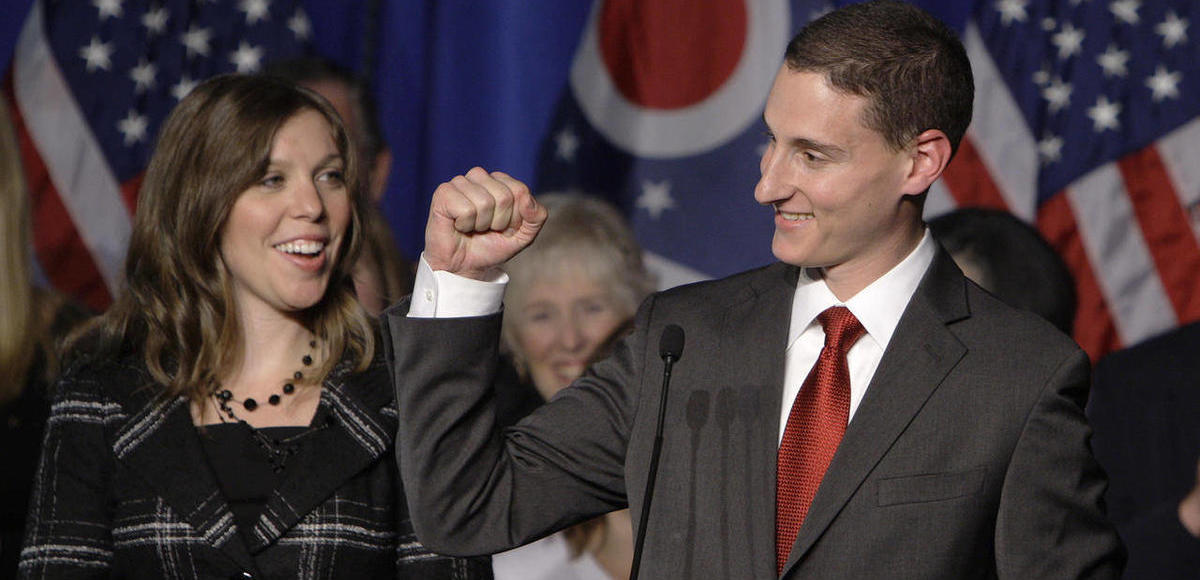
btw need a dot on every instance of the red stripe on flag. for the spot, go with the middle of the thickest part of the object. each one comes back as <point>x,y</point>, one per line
<point>129,192</point>
<point>1094,327</point>
<point>1166,228</point>
<point>60,250</point>
<point>969,181</point>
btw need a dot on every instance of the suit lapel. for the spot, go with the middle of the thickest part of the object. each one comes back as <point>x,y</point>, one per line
<point>351,432</point>
<point>756,328</point>
<point>920,354</point>
<point>160,443</point>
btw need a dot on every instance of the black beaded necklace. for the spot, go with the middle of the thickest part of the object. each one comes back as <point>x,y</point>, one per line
<point>224,396</point>
<point>277,451</point>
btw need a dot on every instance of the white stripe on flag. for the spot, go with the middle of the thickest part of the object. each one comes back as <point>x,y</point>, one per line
<point>668,273</point>
<point>1117,250</point>
<point>1178,150</point>
<point>85,183</point>
<point>999,132</point>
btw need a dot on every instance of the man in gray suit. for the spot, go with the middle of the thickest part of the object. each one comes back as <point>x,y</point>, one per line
<point>943,438</point>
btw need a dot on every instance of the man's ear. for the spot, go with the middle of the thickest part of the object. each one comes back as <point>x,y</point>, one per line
<point>930,155</point>
<point>381,168</point>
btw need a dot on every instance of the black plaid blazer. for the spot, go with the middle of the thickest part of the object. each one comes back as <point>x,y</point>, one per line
<point>124,490</point>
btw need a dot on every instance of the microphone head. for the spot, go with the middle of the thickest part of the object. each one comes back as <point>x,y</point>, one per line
<point>671,343</point>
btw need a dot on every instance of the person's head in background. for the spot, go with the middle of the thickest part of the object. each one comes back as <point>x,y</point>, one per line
<point>1010,259</point>
<point>26,311</point>
<point>355,104</point>
<point>571,289</point>
<point>382,274</point>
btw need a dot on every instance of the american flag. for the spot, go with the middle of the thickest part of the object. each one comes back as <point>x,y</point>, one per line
<point>1086,123</point>
<point>91,82</point>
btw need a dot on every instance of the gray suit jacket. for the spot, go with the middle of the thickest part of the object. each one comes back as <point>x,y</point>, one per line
<point>967,458</point>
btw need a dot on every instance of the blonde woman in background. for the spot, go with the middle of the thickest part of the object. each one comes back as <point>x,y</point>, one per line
<point>569,295</point>
<point>32,321</point>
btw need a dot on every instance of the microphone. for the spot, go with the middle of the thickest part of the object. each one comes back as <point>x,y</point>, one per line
<point>670,348</point>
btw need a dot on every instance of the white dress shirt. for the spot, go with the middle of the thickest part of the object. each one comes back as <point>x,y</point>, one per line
<point>878,307</point>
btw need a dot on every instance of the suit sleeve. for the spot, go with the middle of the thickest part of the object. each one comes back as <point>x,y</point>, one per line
<point>474,489</point>
<point>69,529</point>
<point>1051,521</point>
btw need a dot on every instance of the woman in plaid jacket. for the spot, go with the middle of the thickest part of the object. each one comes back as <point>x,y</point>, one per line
<point>228,416</point>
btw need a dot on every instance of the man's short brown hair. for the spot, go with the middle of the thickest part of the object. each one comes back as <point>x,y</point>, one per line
<point>910,66</point>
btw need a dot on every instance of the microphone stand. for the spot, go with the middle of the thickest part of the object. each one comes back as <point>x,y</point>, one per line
<point>670,348</point>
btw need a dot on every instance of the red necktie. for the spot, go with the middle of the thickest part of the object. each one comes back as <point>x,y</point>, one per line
<point>814,429</point>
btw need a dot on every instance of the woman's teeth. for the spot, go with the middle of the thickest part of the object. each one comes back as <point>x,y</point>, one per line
<point>306,247</point>
<point>793,217</point>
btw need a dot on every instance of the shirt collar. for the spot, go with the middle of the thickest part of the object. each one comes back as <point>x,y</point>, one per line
<point>878,306</point>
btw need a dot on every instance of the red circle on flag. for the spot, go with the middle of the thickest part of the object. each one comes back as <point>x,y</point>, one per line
<point>671,54</point>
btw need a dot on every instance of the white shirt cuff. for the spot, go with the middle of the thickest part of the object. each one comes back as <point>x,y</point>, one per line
<point>443,294</point>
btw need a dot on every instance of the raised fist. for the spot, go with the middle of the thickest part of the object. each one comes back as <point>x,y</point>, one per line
<point>478,221</point>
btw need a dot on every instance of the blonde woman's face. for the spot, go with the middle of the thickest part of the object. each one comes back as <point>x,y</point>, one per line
<point>559,324</point>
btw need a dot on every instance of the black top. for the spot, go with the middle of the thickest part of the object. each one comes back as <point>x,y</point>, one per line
<point>242,462</point>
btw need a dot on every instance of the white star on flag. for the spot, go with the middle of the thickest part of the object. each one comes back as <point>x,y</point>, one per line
<point>1057,94</point>
<point>1113,61</point>
<point>1164,84</point>
<point>246,58</point>
<point>1104,115</point>
<point>181,89</point>
<point>1041,77</point>
<point>256,10</point>
<point>108,8</point>
<point>143,75</point>
<point>155,20</point>
<point>196,40</point>
<point>1173,30</point>
<point>1012,10</point>
<point>1126,11</point>
<point>566,144</point>
<point>655,198</point>
<point>1050,149</point>
<point>300,25</point>
<point>1069,41</point>
<point>97,54</point>
<point>133,126</point>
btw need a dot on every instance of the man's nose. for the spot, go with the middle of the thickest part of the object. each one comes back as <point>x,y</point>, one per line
<point>772,182</point>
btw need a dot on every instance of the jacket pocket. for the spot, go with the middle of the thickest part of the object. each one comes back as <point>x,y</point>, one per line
<point>931,487</point>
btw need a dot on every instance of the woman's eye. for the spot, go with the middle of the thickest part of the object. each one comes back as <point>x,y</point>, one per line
<point>595,307</point>
<point>331,176</point>
<point>271,181</point>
